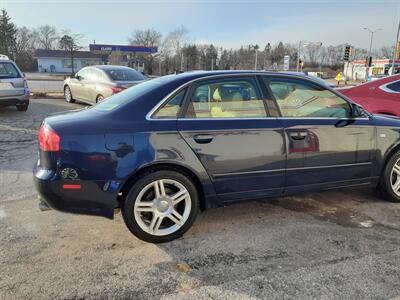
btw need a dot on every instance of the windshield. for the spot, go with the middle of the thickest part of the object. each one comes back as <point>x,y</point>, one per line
<point>128,95</point>
<point>124,75</point>
<point>8,70</point>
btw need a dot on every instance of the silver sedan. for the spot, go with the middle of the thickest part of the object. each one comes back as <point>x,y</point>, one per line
<point>95,83</point>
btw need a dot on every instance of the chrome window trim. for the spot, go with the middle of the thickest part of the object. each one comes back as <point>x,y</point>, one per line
<point>149,115</point>
<point>266,118</point>
<point>166,98</point>
<point>387,90</point>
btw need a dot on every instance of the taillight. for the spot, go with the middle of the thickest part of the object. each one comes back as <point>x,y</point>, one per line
<point>49,140</point>
<point>116,89</point>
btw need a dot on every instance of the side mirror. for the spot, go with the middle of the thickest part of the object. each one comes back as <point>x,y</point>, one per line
<point>77,77</point>
<point>358,111</point>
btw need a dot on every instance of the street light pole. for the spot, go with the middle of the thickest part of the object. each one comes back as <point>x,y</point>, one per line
<point>395,48</point>
<point>370,47</point>
<point>298,57</point>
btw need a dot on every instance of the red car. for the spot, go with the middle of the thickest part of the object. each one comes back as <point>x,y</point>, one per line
<point>381,96</point>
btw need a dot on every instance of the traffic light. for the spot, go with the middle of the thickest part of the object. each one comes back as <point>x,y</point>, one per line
<point>347,53</point>
<point>368,61</point>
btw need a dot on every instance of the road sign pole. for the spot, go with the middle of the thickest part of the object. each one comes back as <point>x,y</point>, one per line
<point>395,48</point>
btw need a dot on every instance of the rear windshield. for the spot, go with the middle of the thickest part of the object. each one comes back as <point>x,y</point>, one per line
<point>124,75</point>
<point>8,70</point>
<point>130,94</point>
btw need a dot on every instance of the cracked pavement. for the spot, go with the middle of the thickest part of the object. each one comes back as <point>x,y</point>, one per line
<point>329,245</point>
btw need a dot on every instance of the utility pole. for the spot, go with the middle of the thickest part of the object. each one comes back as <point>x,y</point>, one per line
<point>255,63</point>
<point>298,57</point>
<point>256,47</point>
<point>372,32</point>
<point>395,48</point>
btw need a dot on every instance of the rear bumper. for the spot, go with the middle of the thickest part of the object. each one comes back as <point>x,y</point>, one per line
<point>90,199</point>
<point>14,100</point>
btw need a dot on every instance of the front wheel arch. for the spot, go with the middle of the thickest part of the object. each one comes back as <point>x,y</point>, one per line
<point>124,190</point>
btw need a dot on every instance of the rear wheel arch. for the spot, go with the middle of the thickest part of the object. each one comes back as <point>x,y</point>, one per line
<point>124,190</point>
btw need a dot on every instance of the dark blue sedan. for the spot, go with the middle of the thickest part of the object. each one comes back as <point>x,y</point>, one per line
<point>167,148</point>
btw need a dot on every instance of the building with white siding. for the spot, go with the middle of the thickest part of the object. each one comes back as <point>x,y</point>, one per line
<point>59,61</point>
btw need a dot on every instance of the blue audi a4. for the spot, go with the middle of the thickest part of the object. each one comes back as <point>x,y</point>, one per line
<point>165,149</point>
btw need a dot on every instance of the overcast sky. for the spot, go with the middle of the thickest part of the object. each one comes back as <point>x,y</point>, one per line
<point>224,23</point>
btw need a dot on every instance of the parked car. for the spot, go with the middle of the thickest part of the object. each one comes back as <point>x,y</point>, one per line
<point>95,83</point>
<point>14,89</point>
<point>165,149</point>
<point>380,96</point>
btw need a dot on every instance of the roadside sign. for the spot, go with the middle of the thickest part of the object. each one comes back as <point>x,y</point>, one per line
<point>286,61</point>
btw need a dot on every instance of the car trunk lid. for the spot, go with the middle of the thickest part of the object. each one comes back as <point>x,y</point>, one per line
<point>11,87</point>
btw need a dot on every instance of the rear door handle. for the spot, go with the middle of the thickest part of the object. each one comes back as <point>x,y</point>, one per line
<point>203,138</point>
<point>298,136</point>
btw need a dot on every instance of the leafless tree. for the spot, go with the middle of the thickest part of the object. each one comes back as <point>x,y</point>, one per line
<point>46,37</point>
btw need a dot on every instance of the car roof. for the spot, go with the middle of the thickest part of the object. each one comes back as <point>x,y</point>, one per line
<point>193,75</point>
<point>110,67</point>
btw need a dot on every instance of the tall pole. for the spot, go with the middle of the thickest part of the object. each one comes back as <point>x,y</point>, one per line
<point>255,63</point>
<point>370,48</point>
<point>395,48</point>
<point>298,57</point>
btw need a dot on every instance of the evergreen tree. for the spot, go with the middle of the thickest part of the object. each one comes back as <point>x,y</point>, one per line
<point>8,32</point>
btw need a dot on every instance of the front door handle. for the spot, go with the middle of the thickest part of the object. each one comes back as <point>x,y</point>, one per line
<point>203,138</point>
<point>298,136</point>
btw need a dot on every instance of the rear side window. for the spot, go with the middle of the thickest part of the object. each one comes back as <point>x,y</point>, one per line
<point>395,86</point>
<point>124,75</point>
<point>296,98</point>
<point>226,98</point>
<point>171,109</point>
<point>8,70</point>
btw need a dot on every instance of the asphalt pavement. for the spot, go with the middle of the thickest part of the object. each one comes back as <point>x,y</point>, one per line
<point>329,245</point>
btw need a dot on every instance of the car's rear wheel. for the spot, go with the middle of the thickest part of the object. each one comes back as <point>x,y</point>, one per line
<point>99,98</point>
<point>68,95</point>
<point>161,206</point>
<point>389,185</point>
<point>22,107</point>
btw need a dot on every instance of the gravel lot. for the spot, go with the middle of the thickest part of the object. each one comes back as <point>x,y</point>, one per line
<point>337,244</point>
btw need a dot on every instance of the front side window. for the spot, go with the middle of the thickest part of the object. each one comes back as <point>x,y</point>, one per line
<point>171,109</point>
<point>84,74</point>
<point>228,98</point>
<point>296,98</point>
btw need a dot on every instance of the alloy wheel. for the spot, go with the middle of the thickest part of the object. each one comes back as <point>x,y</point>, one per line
<point>162,207</point>
<point>395,178</point>
<point>67,94</point>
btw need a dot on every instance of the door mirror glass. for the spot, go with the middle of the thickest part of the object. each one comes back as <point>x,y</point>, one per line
<point>358,111</point>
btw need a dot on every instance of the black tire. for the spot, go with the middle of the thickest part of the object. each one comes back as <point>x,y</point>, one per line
<point>22,107</point>
<point>385,188</point>
<point>142,183</point>
<point>99,98</point>
<point>68,95</point>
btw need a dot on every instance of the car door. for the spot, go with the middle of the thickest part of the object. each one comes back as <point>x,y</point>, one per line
<point>93,85</point>
<point>77,84</point>
<point>327,147</point>
<point>225,123</point>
